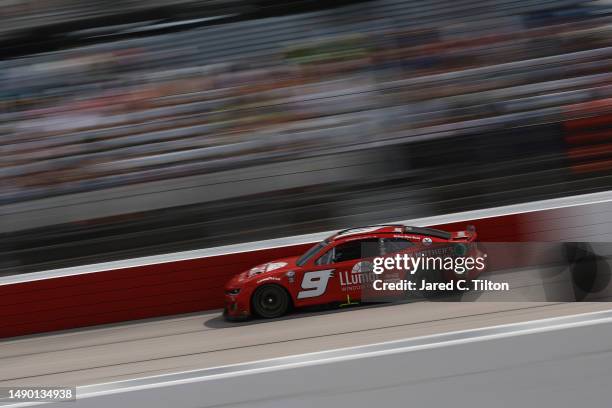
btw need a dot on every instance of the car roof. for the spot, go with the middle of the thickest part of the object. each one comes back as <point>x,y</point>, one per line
<point>389,229</point>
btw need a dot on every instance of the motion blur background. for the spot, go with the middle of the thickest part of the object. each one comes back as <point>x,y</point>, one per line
<point>134,127</point>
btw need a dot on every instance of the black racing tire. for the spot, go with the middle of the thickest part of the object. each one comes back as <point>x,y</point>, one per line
<point>270,301</point>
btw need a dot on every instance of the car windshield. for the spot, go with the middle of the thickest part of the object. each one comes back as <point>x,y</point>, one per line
<point>311,252</point>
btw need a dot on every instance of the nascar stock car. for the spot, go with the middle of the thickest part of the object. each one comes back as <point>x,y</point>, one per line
<point>338,269</point>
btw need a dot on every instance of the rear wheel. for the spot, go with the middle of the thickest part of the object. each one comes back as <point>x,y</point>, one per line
<point>270,301</point>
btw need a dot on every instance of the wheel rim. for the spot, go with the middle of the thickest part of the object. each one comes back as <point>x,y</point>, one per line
<point>270,302</point>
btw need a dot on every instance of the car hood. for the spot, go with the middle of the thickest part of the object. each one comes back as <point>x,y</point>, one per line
<point>278,266</point>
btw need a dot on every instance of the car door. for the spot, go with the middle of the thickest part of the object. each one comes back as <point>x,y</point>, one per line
<point>340,273</point>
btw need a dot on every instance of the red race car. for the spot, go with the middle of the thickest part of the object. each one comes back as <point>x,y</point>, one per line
<point>339,269</point>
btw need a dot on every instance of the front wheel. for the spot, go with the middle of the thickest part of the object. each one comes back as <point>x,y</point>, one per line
<point>270,301</point>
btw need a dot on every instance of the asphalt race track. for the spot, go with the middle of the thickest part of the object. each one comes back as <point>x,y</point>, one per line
<point>546,363</point>
<point>205,340</point>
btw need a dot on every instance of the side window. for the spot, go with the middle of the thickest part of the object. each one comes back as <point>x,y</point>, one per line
<point>394,245</point>
<point>358,249</point>
<point>326,258</point>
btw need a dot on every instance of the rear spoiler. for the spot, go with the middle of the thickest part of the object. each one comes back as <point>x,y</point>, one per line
<point>469,232</point>
<point>428,231</point>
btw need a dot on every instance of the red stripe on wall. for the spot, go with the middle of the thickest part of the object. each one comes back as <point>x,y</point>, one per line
<point>125,294</point>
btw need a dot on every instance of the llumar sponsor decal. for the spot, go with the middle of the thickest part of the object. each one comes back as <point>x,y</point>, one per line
<point>357,277</point>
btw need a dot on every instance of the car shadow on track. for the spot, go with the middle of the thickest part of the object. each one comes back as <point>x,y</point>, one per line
<point>218,322</point>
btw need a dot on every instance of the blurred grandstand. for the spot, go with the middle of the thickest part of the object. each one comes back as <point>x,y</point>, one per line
<point>132,127</point>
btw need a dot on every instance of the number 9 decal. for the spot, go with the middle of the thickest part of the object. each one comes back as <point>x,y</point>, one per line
<point>314,283</point>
